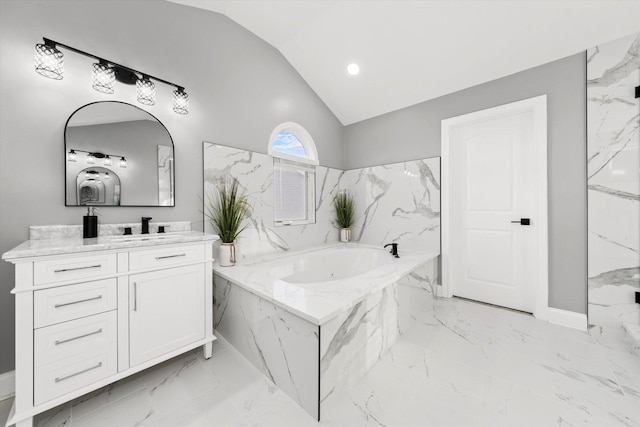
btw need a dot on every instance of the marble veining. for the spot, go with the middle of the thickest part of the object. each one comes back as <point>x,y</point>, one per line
<point>35,248</point>
<point>507,369</point>
<point>317,304</point>
<point>613,165</point>
<point>399,202</point>
<point>40,232</point>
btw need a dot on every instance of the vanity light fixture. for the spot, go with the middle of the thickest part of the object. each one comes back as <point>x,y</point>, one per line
<point>123,162</point>
<point>180,101</point>
<point>107,160</point>
<point>49,62</point>
<point>103,77</point>
<point>90,158</point>
<point>146,91</point>
<point>72,156</point>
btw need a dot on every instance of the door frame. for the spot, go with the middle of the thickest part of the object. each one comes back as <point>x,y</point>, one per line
<point>537,105</point>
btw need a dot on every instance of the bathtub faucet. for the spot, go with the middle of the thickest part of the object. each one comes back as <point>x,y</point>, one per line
<point>394,249</point>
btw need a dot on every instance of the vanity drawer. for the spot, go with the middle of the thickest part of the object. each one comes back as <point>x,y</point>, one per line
<point>98,333</point>
<point>64,376</point>
<point>55,305</point>
<point>72,268</point>
<point>152,258</point>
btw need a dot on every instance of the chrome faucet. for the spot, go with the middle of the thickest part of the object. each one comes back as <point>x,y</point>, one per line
<point>394,249</point>
<point>145,224</point>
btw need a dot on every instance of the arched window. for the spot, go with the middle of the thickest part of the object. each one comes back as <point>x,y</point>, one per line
<point>294,159</point>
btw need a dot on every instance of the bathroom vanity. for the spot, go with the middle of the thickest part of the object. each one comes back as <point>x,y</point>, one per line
<point>90,312</point>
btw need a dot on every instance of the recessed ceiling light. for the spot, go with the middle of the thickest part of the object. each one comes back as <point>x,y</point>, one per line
<point>353,69</point>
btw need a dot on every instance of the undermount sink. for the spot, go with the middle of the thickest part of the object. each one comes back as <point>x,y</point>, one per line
<point>142,237</point>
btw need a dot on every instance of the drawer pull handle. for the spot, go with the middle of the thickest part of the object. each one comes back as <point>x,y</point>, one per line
<point>170,256</point>
<point>135,296</point>
<point>77,268</point>
<point>58,342</point>
<point>64,304</point>
<point>58,379</point>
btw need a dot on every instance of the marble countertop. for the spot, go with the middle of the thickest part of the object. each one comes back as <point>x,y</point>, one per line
<point>35,248</point>
<point>320,302</point>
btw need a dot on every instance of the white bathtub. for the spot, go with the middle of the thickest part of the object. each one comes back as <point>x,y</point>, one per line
<point>325,265</point>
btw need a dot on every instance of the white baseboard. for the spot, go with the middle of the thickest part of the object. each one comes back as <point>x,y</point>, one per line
<point>566,318</point>
<point>7,385</point>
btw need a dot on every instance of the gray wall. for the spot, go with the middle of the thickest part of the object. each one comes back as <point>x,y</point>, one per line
<point>240,89</point>
<point>414,132</point>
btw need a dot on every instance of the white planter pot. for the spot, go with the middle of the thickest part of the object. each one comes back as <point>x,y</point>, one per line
<point>345,235</point>
<point>227,254</point>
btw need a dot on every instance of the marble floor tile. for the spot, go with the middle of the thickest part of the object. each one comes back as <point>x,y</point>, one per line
<point>459,364</point>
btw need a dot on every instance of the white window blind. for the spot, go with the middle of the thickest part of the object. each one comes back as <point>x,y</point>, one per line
<point>293,191</point>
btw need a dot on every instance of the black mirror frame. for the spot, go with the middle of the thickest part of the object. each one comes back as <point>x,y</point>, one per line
<point>116,206</point>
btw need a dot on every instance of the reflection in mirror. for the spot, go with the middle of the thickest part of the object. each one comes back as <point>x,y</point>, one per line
<point>118,155</point>
<point>98,185</point>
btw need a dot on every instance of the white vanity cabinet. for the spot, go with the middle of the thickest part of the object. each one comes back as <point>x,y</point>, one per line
<point>85,320</point>
<point>166,311</point>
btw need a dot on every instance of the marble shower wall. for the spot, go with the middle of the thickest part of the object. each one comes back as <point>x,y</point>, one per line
<point>613,180</point>
<point>399,202</point>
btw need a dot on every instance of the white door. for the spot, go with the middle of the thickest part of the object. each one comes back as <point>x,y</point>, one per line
<point>495,212</point>
<point>166,311</point>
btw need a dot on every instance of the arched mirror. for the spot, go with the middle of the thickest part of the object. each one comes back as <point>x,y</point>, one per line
<point>117,154</point>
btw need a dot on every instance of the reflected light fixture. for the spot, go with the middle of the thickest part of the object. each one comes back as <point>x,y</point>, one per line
<point>107,160</point>
<point>72,156</point>
<point>180,101</point>
<point>123,162</point>
<point>49,60</point>
<point>107,176</point>
<point>146,91</point>
<point>103,77</point>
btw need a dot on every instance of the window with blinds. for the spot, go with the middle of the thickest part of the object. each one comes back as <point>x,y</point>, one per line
<point>293,192</point>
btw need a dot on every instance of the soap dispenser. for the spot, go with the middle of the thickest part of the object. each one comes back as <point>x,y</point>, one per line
<point>90,224</point>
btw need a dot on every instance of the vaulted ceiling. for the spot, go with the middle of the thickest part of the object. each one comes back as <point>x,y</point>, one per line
<point>412,51</point>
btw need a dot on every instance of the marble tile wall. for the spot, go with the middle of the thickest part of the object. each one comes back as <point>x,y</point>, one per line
<point>398,202</point>
<point>613,180</point>
<point>254,172</point>
<point>395,203</point>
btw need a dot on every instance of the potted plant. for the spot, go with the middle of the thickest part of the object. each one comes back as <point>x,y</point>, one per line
<point>344,206</point>
<point>226,212</point>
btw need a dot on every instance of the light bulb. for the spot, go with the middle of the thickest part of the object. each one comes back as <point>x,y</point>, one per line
<point>353,69</point>
<point>90,159</point>
<point>123,162</point>
<point>107,160</point>
<point>72,156</point>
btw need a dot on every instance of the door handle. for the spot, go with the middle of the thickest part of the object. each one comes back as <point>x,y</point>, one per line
<point>522,221</point>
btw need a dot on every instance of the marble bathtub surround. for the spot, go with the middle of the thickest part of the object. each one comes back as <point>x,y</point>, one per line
<point>41,232</point>
<point>315,340</point>
<point>318,304</point>
<point>395,203</point>
<point>613,165</point>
